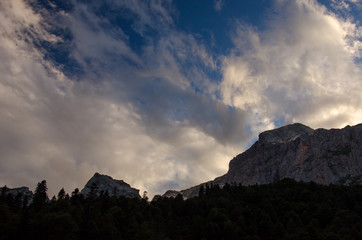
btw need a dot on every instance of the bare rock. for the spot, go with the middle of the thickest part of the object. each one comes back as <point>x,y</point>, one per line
<point>298,152</point>
<point>103,184</point>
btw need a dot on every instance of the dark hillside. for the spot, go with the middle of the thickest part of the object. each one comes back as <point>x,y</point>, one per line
<point>283,210</point>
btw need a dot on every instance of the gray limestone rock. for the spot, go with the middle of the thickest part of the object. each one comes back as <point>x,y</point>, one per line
<point>298,152</point>
<point>105,184</point>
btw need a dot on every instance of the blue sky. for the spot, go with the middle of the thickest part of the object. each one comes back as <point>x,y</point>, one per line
<point>163,94</point>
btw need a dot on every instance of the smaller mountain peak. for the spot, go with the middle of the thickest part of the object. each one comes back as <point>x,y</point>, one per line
<point>171,193</point>
<point>100,183</point>
<point>23,191</point>
<point>285,133</point>
<point>102,177</point>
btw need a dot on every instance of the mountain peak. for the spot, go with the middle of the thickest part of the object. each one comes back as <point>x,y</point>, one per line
<point>100,183</point>
<point>285,133</point>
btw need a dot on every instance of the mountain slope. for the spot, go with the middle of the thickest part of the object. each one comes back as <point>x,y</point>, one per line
<point>298,152</point>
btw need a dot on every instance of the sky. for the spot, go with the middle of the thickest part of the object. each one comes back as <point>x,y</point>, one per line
<point>163,94</point>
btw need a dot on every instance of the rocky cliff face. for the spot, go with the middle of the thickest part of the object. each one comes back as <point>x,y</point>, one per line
<point>298,152</point>
<point>102,183</point>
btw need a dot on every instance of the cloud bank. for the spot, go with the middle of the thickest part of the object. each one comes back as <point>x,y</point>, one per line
<point>78,95</point>
<point>304,68</point>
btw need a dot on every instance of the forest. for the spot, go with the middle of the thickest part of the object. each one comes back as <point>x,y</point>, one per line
<point>283,210</point>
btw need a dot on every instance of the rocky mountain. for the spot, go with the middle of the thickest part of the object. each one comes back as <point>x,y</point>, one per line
<point>298,152</point>
<point>102,183</point>
<point>23,192</point>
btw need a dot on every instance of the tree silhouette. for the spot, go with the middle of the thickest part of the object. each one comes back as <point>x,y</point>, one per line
<point>279,210</point>
<point>61,194</point>
<point>40,195</point>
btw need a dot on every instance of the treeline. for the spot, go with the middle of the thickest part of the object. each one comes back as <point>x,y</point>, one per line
<point>283,210</point>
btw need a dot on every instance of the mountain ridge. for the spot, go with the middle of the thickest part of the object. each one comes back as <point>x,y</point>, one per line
<point>298,152</point>
<point>293,151</point>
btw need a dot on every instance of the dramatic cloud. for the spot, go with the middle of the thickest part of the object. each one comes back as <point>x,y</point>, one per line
<point>116,87</point>
<point>134,117</point>
<point>298,70</point>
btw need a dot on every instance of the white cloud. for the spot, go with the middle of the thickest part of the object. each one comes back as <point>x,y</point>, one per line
<point>110,119</point>
<point>301,69</point>
<point>152,118</point>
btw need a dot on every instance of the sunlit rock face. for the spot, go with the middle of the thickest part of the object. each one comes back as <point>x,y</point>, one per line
<point>298,152</point>
<point>102,184</point>
<point>301,153</point>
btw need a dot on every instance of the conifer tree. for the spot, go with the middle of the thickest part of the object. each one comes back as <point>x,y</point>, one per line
<point>40,195</point>
<point>61,194</point>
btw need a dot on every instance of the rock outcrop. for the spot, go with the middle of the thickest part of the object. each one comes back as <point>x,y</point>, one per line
<point>102,184</point>
<point>23,192</point>
<point>298,152</point>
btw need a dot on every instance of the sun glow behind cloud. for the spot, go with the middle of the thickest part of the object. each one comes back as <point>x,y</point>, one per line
<point>169,112</point>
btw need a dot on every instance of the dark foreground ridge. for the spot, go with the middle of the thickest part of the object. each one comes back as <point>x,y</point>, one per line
<point>98,185</point>
<point>298,152</point>
<point>283,210</point>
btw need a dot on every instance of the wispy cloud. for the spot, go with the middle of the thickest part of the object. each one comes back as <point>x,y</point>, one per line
<point>346,4</point>
<point>218,4</point>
